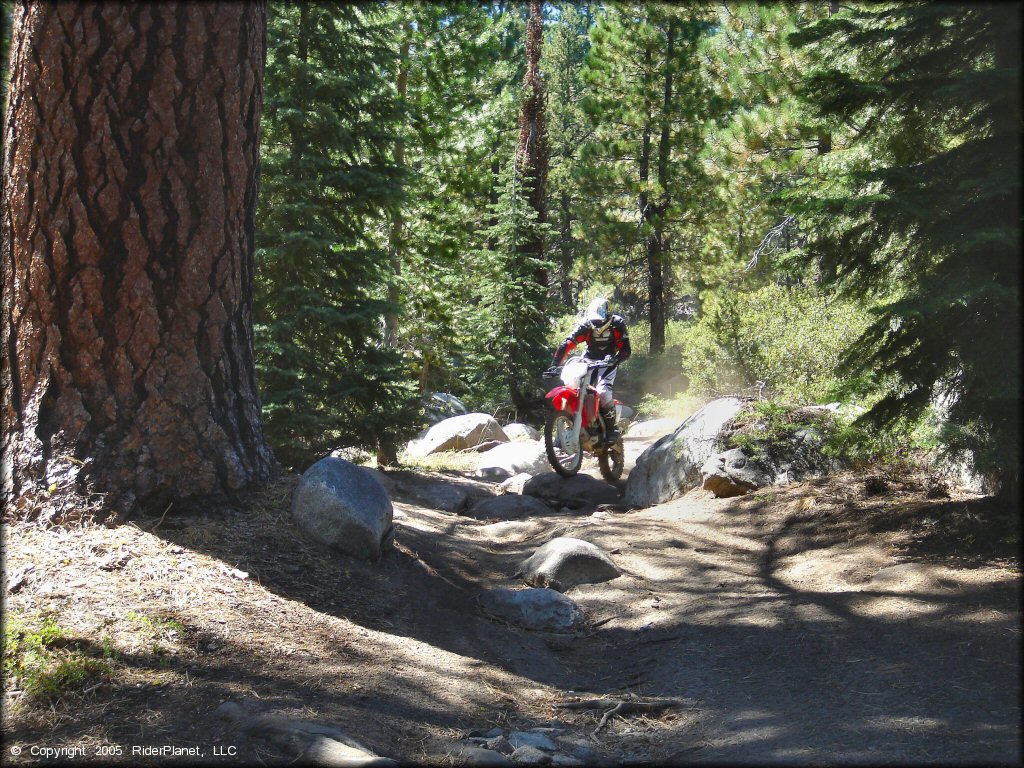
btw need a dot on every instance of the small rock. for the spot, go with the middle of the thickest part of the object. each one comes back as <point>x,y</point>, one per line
<point>542,610</point>
<point>493,733</point>
<point>565,562</point>
<point>508,507</point>
<point>500,744</point>
<point>530,739</point>
<point>515,483</point>
<point>565,760</point>
<point>465,755</point>
<point>323,750</point>
<point>516,431</point>
<point>230,711</point>
<point>531,756</point>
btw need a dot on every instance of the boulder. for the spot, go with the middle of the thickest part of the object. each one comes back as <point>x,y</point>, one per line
<point>791,456</point>
<point>542,610</point>
<point>653,428</point>
<point>564,562</point>
<point>312,742</point>
<point>671,466</point>
<point>457,433</point>
<point>528,755</point>
<point>529,739</point>
<point>515,483</point>
<point>574,492</point>
<point>516,431</point>
<point>440,406</point>
<point>513,459</point>
<point>508,507</point>
<point>344,507</point>
<point>732,473</point>
<point>470,755</point>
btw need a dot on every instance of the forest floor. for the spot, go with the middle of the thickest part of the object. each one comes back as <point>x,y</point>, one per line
<point>849,619</point>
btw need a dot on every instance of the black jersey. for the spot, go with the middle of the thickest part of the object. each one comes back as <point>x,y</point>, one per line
<point>612,339</point>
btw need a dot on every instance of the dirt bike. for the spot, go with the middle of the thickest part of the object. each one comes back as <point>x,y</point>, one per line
<point>574,424</point>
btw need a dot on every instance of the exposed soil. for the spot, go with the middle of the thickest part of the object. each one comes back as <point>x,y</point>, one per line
<point>850,619</point>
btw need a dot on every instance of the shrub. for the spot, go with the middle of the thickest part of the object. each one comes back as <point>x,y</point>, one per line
<point>791,338</point>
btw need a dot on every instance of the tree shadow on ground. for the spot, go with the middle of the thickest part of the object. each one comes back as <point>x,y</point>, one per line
<point>773,671</point>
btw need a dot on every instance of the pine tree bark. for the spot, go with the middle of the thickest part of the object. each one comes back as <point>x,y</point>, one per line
<point>532,149</point>
<point>130,173</point>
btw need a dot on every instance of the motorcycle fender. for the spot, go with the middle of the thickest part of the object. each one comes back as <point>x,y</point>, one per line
<point>563,399</point>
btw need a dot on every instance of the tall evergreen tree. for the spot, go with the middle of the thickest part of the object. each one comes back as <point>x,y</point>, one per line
<point>329,181</point>
<point>648,102</point>
<point>565,48</point>
<point>920,207</point>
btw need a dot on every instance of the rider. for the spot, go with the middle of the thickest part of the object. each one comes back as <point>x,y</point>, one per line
<point>607,339</point>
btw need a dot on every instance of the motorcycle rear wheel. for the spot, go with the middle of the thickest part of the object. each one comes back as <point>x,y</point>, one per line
<point>566,463</point>
<point>612,461</point>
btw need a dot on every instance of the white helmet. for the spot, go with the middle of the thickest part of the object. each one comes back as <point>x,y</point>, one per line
<point>599,313</point>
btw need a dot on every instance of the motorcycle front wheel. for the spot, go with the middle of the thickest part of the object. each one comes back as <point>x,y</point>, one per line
<point>612,461</point>
<point>564,452</point>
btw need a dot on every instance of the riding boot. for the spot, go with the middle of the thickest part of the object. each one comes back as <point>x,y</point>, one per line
<point>611,431</point>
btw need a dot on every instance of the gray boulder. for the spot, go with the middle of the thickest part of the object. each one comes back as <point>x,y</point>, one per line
<point>528,755</point>
<point>792,456</point>
<point>456,434</point>
<point>564,562</point>
<point>517,431</point>
<point>512,459</point>
<point>542,610</point>
<point>732,473</point>
<point>508,507</point>
<point>573,492</point>
<point>515,483</point>
<point>653,427</point>
<point>671,466</point>
<point>311,742</point>
<point>528,739</point>
<point>343,507</point>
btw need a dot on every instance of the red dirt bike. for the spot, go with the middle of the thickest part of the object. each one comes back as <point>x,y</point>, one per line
<point>574,423</point>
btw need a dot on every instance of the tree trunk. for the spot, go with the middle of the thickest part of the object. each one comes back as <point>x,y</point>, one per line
<point>129,188</point>
<point>532,149</point>
<point>565,251</point>
<point>656,245</point>
<point>395,230</point>
<point>652,238</point>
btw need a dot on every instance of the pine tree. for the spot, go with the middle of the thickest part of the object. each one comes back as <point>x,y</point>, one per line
<point>648,105</point>
<point>329,181</point>
<point>565,48</point>
<point>919,208</point>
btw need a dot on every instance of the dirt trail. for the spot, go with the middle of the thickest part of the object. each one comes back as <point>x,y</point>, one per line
<point>803,625</point>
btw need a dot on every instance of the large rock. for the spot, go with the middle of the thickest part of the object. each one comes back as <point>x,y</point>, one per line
<point>311,743</point>
<point>344,507</point>
<point>508,507</point>
<point>574,492</point>
<point>653,428</point>
<point>510,459</point>
<point>564,562</point>
<point>457,433</point>
<point>790,455</point>
<point>516,431</point>
<point>543,610</point>
<point>732,473</point>
<point>671,466</point>
<point>515,483</point>
<point>440,406</point>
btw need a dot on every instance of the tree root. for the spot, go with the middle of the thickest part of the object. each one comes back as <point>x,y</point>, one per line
<point>618,707</point>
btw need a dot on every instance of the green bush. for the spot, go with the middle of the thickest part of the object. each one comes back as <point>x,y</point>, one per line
<point>791,338</point>
<point>42,661</point>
